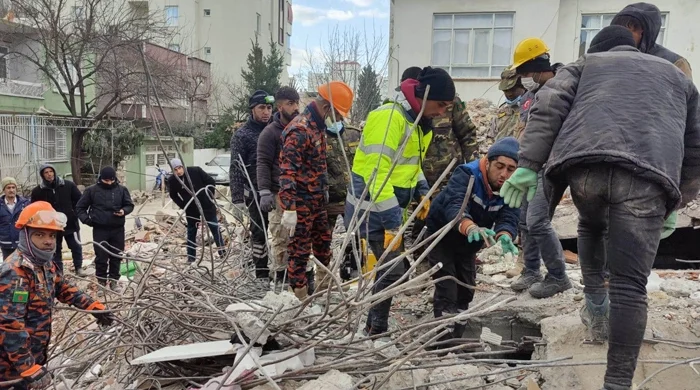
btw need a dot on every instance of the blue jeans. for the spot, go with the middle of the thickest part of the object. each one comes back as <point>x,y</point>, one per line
<point>630,211</point>
<point>210,217</point>
<point>537,235</point>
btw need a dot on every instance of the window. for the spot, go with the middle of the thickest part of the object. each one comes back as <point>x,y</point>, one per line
<point>290,16</point>
<point>174,47</point>
<point>207,50</point>
<point>3,62</point>
<point>473,45</point>
<point>280,23</point>
<point>258,23</point>
<point>591,24</point>
<point>207,12</point>
<point>172,14</point>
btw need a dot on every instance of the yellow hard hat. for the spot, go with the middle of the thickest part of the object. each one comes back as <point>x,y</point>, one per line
<point>528,49</point>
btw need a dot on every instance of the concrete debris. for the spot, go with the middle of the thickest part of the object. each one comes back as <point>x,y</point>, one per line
<point>332,380</point>
<point>189,351</point>
<point>251,326</point>
<point>390,351</point>
<point>494,261</point>
<point>403,379</point>
<point>489,337</point>
<point>680,288</point>
<point>452,375</point>
<point>482,112</point>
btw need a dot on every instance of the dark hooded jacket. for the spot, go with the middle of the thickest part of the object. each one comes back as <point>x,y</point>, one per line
<point>584,115</point>
<point>649,16</point>
<point>63,196</point>
<point>99,203</point>
<point>268,156</point>
<point>244,143</point>
<point>181,195</point>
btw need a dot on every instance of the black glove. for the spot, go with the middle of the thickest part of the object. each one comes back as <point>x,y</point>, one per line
<point>267,201</point>
<point>38,380</point>
<point>105,319</point>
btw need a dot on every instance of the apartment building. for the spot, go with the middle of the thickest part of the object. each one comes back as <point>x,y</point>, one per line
<point>474,40</point>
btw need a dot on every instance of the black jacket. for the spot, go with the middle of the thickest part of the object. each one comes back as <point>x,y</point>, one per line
<point>99,203</point>
<point>63,196</point>
<point>181,196</point>
<point>268,158</point>
<point>244,143</point>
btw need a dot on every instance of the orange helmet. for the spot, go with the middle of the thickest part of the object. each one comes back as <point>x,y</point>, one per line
<point>40,215</point>
<point>339,94</point>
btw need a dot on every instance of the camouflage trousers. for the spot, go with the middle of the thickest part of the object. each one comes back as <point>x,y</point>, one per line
<point>279,238</point>
<point>312,231</point>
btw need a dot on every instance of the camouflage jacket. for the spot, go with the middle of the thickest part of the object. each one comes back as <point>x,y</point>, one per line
<point>506,123</point>
<point>338,175</point>
<point>454,135</point>
<point>303,159</point>
<point>27,295</point>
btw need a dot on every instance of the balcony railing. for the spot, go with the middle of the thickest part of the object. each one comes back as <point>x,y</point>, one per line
<point>22,88</point>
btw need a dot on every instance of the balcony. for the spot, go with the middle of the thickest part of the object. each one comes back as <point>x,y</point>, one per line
<point>22,89</point>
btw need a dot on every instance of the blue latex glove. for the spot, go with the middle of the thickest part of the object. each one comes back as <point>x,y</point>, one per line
<point>474,233</point>
<point>523,180</point>
<point>507,245</point>
<point>669,225</point>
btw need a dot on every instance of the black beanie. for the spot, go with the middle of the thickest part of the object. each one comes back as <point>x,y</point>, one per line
<point>610,37</point>
<point>108,173</point>
<point>442,88</point>
<point>260,97</point>
<point>536,65</point>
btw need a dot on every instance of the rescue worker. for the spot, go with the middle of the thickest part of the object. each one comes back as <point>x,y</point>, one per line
<point>629,165</point>
<point>63,195</point>
<point>29,284</point>
<point>538,238</point>
<point>388,195</point>
<point>507,120</point>
<point>304,183</point>
<point>454,135</point>
<point>485,211</point>
<point>182,186</point>
<point>104,206</point>
<point>644,21</point>
<point>339,138</point>
<point>268,176</point>
<point>11,205</point>
<point>244,145</point>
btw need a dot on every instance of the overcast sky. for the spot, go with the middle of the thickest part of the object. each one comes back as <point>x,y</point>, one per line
<point>314,18</point>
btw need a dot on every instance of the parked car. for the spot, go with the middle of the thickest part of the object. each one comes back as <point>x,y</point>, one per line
<point>218,168</point>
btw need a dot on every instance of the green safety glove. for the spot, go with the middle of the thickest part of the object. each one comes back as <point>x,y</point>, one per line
<point>513,189</point>
<point>669,225</point>
<point>507,245</point>
<point>474,233</point>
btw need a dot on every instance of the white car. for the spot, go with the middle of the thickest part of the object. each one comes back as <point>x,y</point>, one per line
<point>218,169</point>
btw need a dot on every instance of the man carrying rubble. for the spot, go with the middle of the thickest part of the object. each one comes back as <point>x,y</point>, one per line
<point>629,164</point>
<point>268,176</point>
<point>485,216</point>
<point>507,120</point>
<point>539,240</point>
<point>182,187</point>
<point>243,175</point>
<point>389,129</point>
<point>304,183</point>
<point>29,284</point>
<point>11,205</point>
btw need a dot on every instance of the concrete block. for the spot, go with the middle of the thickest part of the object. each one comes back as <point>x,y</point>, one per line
<point>188,351</point>
<point>453,373</point>
<point>332,380</point>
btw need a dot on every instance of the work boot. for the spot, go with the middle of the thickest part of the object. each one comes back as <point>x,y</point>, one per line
<point>301,293</point>
<point>527,278</point>
<point>517,268</point>
<point>324,280</point>
<point>114,286</point>
<point>80,273</point>
<point>596,318</point>
<point>550,287</point>
<point>311,281</point>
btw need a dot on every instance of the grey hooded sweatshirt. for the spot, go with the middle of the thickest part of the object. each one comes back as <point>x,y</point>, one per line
<point>594,111</point>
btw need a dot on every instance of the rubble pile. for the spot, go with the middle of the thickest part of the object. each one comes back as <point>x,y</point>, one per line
<point>482,112</point>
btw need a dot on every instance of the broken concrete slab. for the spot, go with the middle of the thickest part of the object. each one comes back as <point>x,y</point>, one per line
<point>414,379</point>
<point>251,326</point>
<point>680,288</point>
<point>332,380</point>
<point>453,373</point>
<point>188,351</point>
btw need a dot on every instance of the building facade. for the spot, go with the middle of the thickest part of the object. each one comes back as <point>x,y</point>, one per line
<point>474,40</point>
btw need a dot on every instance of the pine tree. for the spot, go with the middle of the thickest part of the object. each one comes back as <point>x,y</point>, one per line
<point>263,72</point>
<point>368,94</point>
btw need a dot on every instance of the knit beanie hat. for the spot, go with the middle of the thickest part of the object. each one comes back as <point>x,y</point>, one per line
<point>536,65</point>
<point>507,147</point>
<point>260,97</point>
<point>108,173</point>
<point>176,162</point>
<point>442,88</point>
<point>610,37</point>
<point>6,181</point>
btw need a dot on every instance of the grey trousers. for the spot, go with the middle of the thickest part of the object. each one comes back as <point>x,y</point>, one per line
<point>630,211</point>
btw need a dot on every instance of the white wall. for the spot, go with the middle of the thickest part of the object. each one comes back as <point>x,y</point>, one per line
<point>203,156</point>
<point>557,22</point>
